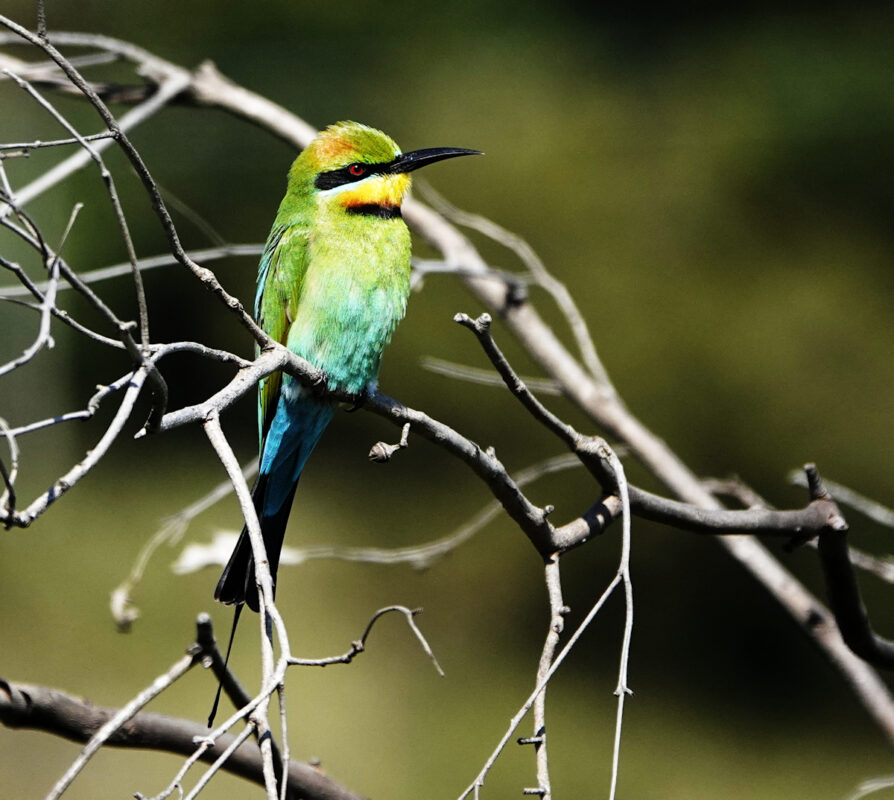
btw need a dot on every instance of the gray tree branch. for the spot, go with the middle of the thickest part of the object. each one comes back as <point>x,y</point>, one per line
<point>25,706</point>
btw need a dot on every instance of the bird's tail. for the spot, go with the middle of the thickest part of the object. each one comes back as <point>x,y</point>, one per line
<point>237,582</point>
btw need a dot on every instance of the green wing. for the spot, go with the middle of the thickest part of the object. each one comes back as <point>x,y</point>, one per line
<point>281,274</point>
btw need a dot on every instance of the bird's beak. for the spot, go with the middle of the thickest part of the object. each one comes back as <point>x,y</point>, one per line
<point>407,162</point>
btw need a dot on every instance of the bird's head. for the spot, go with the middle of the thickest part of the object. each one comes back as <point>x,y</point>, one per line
<point>361,169</point>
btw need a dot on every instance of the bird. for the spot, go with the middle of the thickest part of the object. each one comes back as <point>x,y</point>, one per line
<point>333,283</point>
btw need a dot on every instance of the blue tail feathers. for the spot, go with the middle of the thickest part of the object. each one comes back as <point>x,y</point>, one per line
<point>296,428</point>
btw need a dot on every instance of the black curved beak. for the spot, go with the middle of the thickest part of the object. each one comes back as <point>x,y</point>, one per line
<point>407,162</point>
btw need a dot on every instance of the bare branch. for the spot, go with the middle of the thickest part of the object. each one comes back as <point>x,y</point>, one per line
<point>268,614</point>
<point>179,80</point>
<point>592,451</point>
<point>819,515</point>
<point>80,159</point>
<point>245,379</point>
<point>52,711</point>
<point>38,144</point>
<point>484,463</point>
<point>222,759</point>
<point>871,786</point>
<point>557,612</point>
<point>422,556</point>
<point>48,303</point>
<point>476,784</point>
<point>144,264</point>
<point>177,670</point>
<point>485,377</point>
<point>8,498</point>
<point>881,567</point>
<point>115,201</point>
<point>25,517</point>
<point>124,612</point>
<point>867,507</point>
<point>359,645</point>
<point>93,405</point>
<point>622,689</point>
<point>842,588</point>
<point>538,270</point>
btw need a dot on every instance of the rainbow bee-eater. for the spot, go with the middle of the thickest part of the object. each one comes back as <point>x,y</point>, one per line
<point>333,283</point>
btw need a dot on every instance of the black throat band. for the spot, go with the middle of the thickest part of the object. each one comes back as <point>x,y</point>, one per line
<point>375,210</point>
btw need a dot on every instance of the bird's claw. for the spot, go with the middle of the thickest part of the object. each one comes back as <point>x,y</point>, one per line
<point>358,401</point>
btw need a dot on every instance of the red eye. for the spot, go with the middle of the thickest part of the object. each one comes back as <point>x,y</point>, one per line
<point>356,170</point>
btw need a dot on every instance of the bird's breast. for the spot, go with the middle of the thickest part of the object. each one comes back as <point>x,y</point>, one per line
<point>355,292</point>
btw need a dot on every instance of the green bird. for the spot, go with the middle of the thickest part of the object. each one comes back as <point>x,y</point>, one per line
<point>333,283</point>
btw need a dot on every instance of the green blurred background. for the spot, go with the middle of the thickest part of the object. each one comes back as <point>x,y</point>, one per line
<point>714,187</point>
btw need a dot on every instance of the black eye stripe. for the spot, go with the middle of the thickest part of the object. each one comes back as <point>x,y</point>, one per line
<point>339,177</point>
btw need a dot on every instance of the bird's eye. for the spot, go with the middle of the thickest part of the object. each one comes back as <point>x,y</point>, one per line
<point>357,170</point>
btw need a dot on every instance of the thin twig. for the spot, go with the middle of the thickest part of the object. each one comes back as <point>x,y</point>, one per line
<point>842,588</point>
<point>51,262</point>
<point>198,556</point>
<point>557,612</point>
<point>284,733</point>
<point>123,609</point>
<point>483,376</point>
<point>538,270</point>
<point>58,313</point>
<point>359,645</point>
<point>871,786</point>
<point>594,454</point>
<point>39,708</point>
<point>221,760</point>
<point>8,498</point>
<point>208,739</point>
<point>162,682</point>
<point>93,456</point>
<point>622,689</point>
<point>872,509</point>
<point>38,143</point>
<point>115,201</point>
<point>92,407</point>
<point>516,284</point>
<point>80,159</point>
<point>882,567</point>
<point>144,264</point>
<point>33,238</point>
<point>270,675</point>
<point>481,328</point>
<point>526,706</point>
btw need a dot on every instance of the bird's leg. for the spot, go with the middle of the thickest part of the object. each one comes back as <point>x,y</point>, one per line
<point>359,399</point>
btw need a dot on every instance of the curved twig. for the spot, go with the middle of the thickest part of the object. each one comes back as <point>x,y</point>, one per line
<point>842,588</point>
<point>359,645</point>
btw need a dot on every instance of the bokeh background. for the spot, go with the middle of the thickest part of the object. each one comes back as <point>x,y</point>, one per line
<point>714,187</point>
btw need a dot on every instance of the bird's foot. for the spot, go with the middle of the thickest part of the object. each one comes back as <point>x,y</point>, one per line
<point>359,400</point>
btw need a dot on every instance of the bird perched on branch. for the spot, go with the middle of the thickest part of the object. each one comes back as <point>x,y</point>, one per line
<point>333,283</point>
